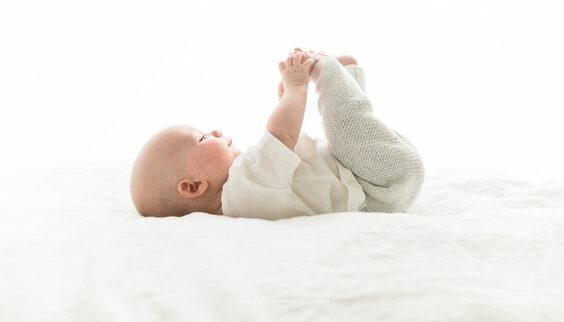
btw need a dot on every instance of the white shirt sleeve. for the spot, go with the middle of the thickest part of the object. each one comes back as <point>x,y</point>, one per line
<point>260,181</point>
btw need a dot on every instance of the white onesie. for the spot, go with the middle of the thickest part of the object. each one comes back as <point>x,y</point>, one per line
<point>271,181</point>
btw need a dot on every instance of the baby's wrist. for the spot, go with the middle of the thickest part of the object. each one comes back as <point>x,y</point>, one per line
<point>295,88</point>
<point>316,70</point>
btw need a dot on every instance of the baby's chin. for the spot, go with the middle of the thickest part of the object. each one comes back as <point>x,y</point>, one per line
<point>236,152</point>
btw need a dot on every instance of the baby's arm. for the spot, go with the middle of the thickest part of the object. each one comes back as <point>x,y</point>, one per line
<point>285,122</point>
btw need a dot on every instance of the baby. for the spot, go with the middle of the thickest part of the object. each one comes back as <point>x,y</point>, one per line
<point>362,166</point>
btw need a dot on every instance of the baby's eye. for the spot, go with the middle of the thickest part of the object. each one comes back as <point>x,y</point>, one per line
<point>202,138</point>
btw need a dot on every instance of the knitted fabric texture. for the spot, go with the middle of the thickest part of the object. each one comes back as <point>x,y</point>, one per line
<point>385,163</point>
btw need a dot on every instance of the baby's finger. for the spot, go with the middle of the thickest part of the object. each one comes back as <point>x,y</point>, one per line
<point>289,60</point>
<point>281,67</point>
<point>297,58</point>
<point>313,54</point>
<point>308,64</point>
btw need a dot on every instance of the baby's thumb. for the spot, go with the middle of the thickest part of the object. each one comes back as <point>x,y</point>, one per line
<point>282,67</point>
<point>309,63</point>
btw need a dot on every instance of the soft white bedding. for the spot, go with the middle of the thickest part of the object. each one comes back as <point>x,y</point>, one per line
<point>478,245</point>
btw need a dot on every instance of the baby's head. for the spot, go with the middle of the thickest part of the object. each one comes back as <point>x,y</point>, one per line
<point>181,170</point>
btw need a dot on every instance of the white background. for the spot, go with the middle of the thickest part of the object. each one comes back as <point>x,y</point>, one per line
<point>469,82</point>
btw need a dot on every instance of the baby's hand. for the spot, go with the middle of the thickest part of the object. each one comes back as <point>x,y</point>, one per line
<point>316,55</point>
<point>345,60</point>
<point>295,71</point>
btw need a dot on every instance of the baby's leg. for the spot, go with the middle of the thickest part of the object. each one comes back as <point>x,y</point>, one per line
<point>385,163</point>
<point>357,72</point>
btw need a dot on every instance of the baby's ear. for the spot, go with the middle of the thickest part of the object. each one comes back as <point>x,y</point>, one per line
<point>191,188</point>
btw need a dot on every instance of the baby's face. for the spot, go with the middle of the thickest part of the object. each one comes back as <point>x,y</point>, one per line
<point>211,152</point>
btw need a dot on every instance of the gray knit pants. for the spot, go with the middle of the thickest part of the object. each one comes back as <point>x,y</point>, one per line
<point>384,162</point>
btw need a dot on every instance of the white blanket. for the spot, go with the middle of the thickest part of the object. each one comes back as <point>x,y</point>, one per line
<point>478,245</point>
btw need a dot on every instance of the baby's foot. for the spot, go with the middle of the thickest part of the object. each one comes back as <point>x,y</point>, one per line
<point>347,60</point>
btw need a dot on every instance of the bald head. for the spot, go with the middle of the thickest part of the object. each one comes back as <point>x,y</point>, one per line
<point>159,166</point>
